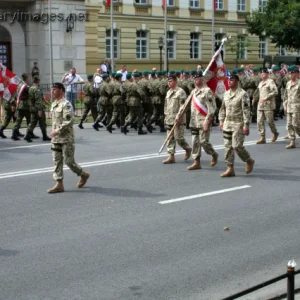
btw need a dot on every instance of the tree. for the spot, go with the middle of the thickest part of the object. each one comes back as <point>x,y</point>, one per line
<point>279,20</point>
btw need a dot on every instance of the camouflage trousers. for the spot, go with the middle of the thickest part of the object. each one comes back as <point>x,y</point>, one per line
<point>135,114</point>
<point>147,109</point>
<point>8,116</point>
<point>34,119</point>
<point>265,115</point>
<point>158,114</point>
<point>21,114</point>
<point>105,110</point>
<point>118,113</point>
<point>178,138</point>
<point>234,142</point>
<point>89,106</point>
<point>201,139</point>
<point>293,125</point>
<point>61,153</point>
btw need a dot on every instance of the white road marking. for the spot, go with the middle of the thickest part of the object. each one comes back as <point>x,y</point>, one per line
<point>102,162</point>
<point>205,194</point>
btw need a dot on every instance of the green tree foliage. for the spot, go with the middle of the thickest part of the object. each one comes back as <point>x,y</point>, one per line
<point>279,21</point>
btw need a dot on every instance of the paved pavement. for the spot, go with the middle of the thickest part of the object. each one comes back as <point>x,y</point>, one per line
<point>118,238</point>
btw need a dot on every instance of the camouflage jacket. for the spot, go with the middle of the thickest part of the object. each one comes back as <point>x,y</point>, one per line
<point>24,103</point>
<point>292,97</point>
<point>62,121</point>
<point>175,99</point>
<point>105,93</point>
<point>88,89</point>
<point>36,99</point>
<point>268,91</point>
<point>145,90</point>
<point>155,91</point>
<point>118,94</point>
<point>185,84</point>
<point>133,94</point>
<point>235,110</point>
<point>163,88</point>
<point>204,98</point>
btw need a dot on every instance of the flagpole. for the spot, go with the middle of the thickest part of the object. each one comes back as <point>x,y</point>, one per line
<point>112,54</point>
<point>166,32</point>
<point>50,46</point>
<point>213,27</point>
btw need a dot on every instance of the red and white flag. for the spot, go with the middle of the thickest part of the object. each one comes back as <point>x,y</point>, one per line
<point>8,82</point>
<point>199,106</point>
<point>107,2</point>
<point>216,78</point>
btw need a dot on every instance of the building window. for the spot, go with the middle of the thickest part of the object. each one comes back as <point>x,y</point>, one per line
<point>262,5</point>
<point>241,5</point>
<point>171,45</point>
<point>141,44</point>
<point>262,47</point>
<point>195,45</point>
<point>195,3</point>
<point>115,43</point>
<point>170,3</point>
<point>141,2</point>
<point>219,4</point>
<point>242,48</point>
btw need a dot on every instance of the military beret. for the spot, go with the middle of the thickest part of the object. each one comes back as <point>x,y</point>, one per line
<point>256,69</point>
<point>193,72</point>
<point>90,76</point>
<point>293,69</point>
<point>128,75</point>
<point>276,68</point>
<point>172,72</point>
<point>146,73</point>
<point>59,85</point>
<point>182,71</point>
<point>153,74</point>
<point>234,71</point>
<point>113,74</point>
<point>172,77</point>
<point>24,76</point>
<point>104,76</point>
<point>234,77</point>
<point>198,75</point>
<point>178,73</point>
<point>186,73</point>
<point>160,73</point>
<point>164,72</point>
<point>118,75</point>
<point>137,74</point>
<point>265,70</point>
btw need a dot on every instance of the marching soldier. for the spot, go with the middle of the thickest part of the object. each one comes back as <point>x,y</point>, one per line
<point>203,107</point>
<point>63,141</point>
<point>10,109</point>
<point>234,119</point>
<point>266,106</point>
<point>89,100</point>
<point>292,106</point>
<point>37,110</point>
<point>174,101</point>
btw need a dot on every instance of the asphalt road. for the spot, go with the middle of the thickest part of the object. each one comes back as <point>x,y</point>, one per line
<point>113,239</point>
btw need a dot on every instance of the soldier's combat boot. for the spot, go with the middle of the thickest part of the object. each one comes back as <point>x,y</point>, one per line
<point>2,134</point>
<point>149,128</point>
<point>188,153</point>
<point>33,136</point>
<point>196,165</point>
<point>19,134</point>
<point>214,159</point>
<point>28,137</point>
<point>229,172</point>
<point>141,131</point>
<point>262,140</point>
<point>80,124</point>
<point>58,188</point>
<point>15,136</point>
<point>162,129</point>
<point>96,126</point>
<point>249,165</point>
<point>291,145</point>
<point>45,136</point>
<point>124,129</point>
<point>274,138</point>
<point>83,179</point>
<point>170,160</point>
<point>109,128</point>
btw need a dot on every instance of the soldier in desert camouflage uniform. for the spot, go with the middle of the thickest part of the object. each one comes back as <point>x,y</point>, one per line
<point>292,106</point>
<point>203,107</point>
<point>266,106</point>
<point>63,142</point>
<point>174,101</point>
<point>234,119</point>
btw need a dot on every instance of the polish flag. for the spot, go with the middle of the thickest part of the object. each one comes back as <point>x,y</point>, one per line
<point>216,77</point>
<point>163,3</point>
<point>199,106</point>
<point>215,5</point>
<point>107,2</point>
<point>8,82</point>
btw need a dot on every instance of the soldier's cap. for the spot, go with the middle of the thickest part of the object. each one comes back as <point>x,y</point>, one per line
<point>193,72</point>
<point>59,85</point>
<point>234,77</point>
<point>90,76</point>
<point>104,76</point>
<point>234,71</point>
<point>153,74</point>
<point>113,74</point>
<point>36,77</point>
<point>276,68</point>
<point>118,75</point>
<point>265,70</point>
<point>256,69</point>
<point>128,75</point>
<point>172,77</point>
<point>164,72</point>
<point>172,72</point>
<point>24,76</point>
<point>146,73</point>
<point>178,73</point>
<point>160,73</point>
<point>293,69</point>
<point>186,73</point>
<point>198,75</point>
<point>239,70</point>
<point>137,74</point>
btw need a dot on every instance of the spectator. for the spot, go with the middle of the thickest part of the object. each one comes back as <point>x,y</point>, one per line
<point>35,70</point>
<point>103,67</point>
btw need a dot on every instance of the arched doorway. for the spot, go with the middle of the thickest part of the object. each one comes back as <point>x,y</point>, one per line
<point>5,48</point>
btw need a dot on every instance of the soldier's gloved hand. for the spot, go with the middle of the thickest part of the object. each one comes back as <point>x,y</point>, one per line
<point>246,131</point>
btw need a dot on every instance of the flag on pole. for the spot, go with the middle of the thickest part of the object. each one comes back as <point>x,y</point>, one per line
<point>216,77</point>
<point>107,2</point>
<point>163,3</point>
<point>215,5</point>
<point>8,82</point>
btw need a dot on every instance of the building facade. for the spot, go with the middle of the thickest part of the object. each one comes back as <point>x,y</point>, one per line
<point>138,25</point>
<point>25,38</point>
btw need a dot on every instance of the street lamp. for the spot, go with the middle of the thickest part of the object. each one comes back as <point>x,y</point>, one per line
<point>160,45</point>
<point>168,48</point>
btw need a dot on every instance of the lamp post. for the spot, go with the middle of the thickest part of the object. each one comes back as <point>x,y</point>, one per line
<point>160,45</point>
<point>168,47</point>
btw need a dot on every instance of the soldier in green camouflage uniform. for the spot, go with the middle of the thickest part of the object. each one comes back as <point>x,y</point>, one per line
<point>37,110</point>
<point>118,101</point>
<point>105,101</point>
<point>23,107</point>
<point>10,109</point>
<point>145,89</point>
<point>134,102</point>
<point>63,140</point>
<point>89,100</point>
